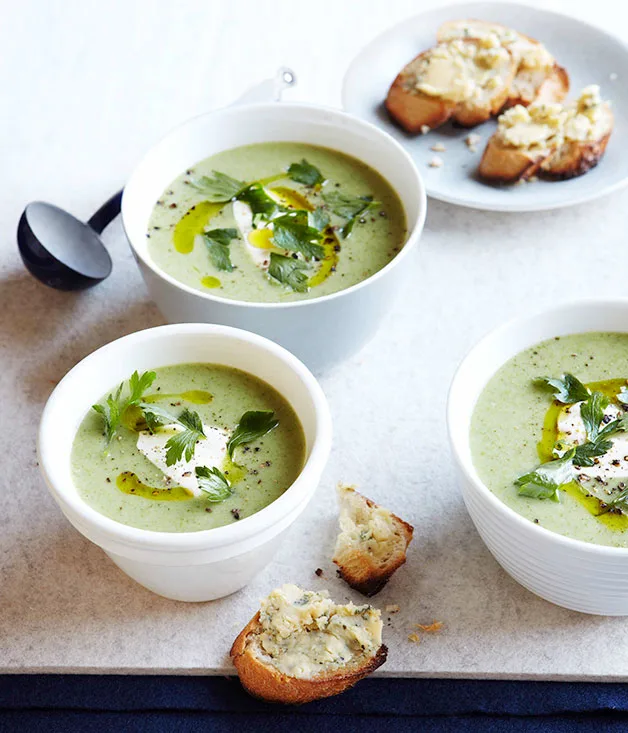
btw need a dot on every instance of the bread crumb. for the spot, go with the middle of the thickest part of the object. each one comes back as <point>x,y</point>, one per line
<point>436,162</point>
<point>414,638</point>
<point>612,76</point>
<point>429,628</point>
<point>392,608</point>
<point>425,129</point>
<point>472,140</point>
<point>438,148</point>
<point>533,179</point>
<point>319,572</point>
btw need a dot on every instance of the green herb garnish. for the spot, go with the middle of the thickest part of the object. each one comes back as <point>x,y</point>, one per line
<point>348,207</point>
<point>305,173</point>
<point>567,389</point>
<point>592,412</point>
<point>291,232</point>
<point>213,483</point>
<point>155,416</point>
<point>544,482</point>
<point>218,187</point>
<point>289,271</point>
<point>319,219</point>
<point>115,406</point>
<point>262,205</point>
<point>252,425</point>
<point>217,242</point>
<point>184,442</point>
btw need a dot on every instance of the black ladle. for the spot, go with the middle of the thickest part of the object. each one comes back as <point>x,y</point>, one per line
<point>61,251</point>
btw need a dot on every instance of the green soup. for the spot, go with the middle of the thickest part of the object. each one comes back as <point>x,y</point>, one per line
<point>276,222</point>
<point>118,480</point>
<point>534,450</point>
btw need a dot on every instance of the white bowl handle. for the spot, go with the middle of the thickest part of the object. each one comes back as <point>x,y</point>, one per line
<point>269,90</point>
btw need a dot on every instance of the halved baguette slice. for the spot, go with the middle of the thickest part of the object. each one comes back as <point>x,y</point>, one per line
<point>301,646</point>
<point>465,80</point>
<point>552,141</point>
<point>538,77</point>
<point>372,542</point>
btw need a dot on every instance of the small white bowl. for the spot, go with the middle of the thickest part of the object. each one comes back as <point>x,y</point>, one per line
<point>577,575</point>
<point>185,566</point>
<point>320,331</point>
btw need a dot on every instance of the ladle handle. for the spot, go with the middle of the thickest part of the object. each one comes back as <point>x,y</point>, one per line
<point>107,213</point>
<point>269,90</point>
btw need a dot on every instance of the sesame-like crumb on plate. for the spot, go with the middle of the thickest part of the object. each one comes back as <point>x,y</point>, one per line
<point>438,148</point>
<point>436,162</point>
<point>391,608</point>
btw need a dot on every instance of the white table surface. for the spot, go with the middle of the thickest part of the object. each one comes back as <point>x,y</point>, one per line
<point>86,88</point>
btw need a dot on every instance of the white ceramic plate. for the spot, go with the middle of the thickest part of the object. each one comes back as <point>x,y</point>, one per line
<point>590,55</point>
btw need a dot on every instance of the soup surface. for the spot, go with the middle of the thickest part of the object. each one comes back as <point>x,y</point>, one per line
<point>276,222</point>
<point>223,445</point>
<point>549,436</point>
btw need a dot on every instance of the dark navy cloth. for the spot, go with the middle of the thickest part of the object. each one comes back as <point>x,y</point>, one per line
<point>151,704</point>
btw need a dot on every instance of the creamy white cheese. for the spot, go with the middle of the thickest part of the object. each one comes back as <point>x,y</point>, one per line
<point>460,71</point>
<point>571,431</point>
<point>209,451</point>
<point>540,125</point>
<point>305,633</point>
<point>244,221</point>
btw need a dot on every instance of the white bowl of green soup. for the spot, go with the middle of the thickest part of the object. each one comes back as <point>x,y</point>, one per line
<point>289,220</point>
<point>186,452</point>
<point>538,423</point>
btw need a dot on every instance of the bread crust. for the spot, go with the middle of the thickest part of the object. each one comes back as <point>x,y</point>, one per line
<point>574,159</point>
<point>414,111</point>
<point>268,683</point>
<point>508,165</point>
<point>554,88</point>
<point>361,570</point>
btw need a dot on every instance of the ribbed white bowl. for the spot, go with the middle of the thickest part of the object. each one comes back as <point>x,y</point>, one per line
<point>574,574</point>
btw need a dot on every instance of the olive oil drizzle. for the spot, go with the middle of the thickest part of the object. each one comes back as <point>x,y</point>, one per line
<point>194,221</point>
<point>129,483</point>
<point>613,519</point>
<point>195,396</point>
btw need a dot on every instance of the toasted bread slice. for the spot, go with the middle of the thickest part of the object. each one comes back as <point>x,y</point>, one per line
<point>372,542</point>
<point>506,164</point>
<point>301,646</point>
<point>537,78</point>
<point>465,80</point>
<point>554,141</point>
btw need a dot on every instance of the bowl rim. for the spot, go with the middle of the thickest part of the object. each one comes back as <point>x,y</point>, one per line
<point>248,527</point>
<point>412,236</point>
<point>497,334</point>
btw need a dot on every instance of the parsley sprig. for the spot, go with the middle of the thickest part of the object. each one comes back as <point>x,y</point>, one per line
<point>183,442</point>
<point>218,187</point>
<point>292,232</point>
<point>305,173</point>
<point>567,388</point>
<point>213,483</point>
<point>253,425</point>
<point>349,208</point>
<point>289,271</point>
<point>217,242</point>
<point>115,404</point>
<point>545,481</point>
